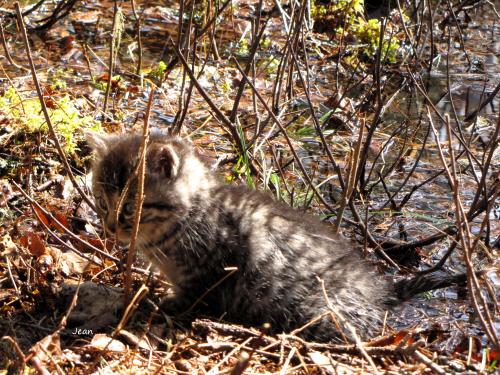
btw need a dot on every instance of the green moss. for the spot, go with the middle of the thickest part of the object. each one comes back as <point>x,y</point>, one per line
<point>346,17</point>
<point>102,84</point>
<point>368,32</point>
<point>345,10</point>
<point>225,86</point>
<point>57,80</point>
<point>243,48</point>
<point>157,73</point>
<point>65,117</point>
<point>265,43</point>
<point>270,65</point>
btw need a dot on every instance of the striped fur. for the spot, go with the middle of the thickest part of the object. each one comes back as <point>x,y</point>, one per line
<point>197,231</point>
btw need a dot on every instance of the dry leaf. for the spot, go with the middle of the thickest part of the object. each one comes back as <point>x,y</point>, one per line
<point>33,243</point>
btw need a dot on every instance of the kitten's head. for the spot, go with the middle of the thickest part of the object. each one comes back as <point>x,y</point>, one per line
<point>175,180</point>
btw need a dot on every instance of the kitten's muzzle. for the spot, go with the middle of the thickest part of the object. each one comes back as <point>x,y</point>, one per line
<point>111,225</point>
<point>121,235</point>
<point>110,228</point>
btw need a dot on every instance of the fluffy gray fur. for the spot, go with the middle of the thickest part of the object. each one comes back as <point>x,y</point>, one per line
<point>248,258</point>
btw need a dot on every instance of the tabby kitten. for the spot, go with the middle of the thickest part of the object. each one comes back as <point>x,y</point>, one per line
<point>235,253</point>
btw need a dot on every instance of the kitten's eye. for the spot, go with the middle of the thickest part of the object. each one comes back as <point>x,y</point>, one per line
<point>101,204</point>
<point>128,209</point>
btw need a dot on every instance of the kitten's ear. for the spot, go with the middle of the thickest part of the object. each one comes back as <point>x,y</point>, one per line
<point>164,160</point>
<point>97,142</point>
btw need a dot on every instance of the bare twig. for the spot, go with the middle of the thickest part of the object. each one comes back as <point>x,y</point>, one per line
<point>139,197</point>
<point>72,235</point>
<point>465,236</point>
<point>351,179</point>
<point>287,138</point>
<point>139,38</point>
<point>6,49</point>
<point>12,280</point>
<point>230,126</point>
<point>422,358</point>
<point>113,47</point>
<point>131,306</point>
<point>46,112</point>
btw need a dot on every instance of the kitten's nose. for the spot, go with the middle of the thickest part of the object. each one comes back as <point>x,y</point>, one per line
<point>110,226</point>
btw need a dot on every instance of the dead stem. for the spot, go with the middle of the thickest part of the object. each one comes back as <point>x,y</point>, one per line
<point>139,38</point>
<point>45,111</point>
<point>351,177</point>
<point>113,46</point>
<point>462,225</point>
<point>139,197</point>
<point>6,49</point>
<point>73,236</point>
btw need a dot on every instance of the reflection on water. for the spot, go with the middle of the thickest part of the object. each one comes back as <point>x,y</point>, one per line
<point>466,98</point>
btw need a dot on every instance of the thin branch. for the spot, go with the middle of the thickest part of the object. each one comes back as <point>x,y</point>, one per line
<point>46,112</point>
<point>139,197</point>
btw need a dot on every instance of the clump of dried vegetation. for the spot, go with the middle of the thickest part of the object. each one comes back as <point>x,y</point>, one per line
<point>383,119</point>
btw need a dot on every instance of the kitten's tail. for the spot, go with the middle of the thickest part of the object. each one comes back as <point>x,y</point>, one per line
<point>408,288</point>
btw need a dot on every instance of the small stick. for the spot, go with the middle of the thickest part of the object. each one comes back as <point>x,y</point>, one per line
<point>72,235</point>
<point>6,49</point>
<point>112,54</point>
<point>46,112</point>
<point>242,363</point>
<point>87,61</point>
<point>422,92</point>
<point>12,280</point>
<point>139,197</point>
<point>215,370</point>
<point>132,305</point>
<point>139,39</point>
<point>466,241</point>
<point>351,179</point>
<point>287,138</point>
<point>462,225</point>
<point>64,320</point>
<point>288,360</point>
<point>433,366</point>
<point>220,116</point>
